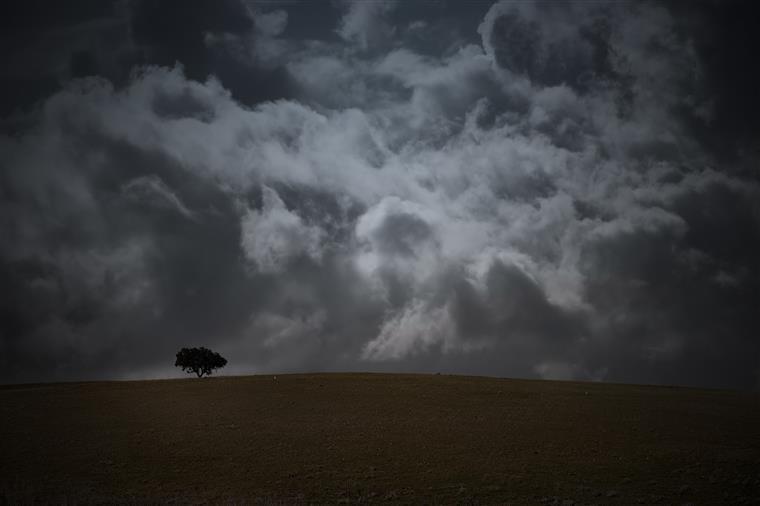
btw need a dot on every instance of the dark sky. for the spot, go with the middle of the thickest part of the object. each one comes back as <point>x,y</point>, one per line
<point>528,189</point>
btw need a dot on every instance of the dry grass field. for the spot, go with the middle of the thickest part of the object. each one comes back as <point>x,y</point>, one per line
<point>376,438</point>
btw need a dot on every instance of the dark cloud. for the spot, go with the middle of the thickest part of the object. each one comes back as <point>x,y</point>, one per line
<point>725,42</point>
<point>45,45</point>
<point>344,186</point>
<point>174,31</point>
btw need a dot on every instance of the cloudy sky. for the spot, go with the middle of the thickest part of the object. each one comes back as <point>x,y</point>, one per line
<point>527,189</point>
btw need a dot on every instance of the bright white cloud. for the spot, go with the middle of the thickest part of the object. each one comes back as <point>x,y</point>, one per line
<point>413,330</point>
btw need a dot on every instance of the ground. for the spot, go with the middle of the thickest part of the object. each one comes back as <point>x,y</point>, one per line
<point>358,438</point>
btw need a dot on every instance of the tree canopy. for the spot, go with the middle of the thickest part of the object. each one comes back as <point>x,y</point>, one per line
<point>199,361</point>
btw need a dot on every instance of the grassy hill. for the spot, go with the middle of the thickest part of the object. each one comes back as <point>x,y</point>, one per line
<point>357,438</point>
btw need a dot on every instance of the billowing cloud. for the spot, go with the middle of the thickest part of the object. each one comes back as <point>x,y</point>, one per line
<point>535,201</point>
<point>151,191</point>
<point>413,330</point>
<point>275,236</point>
<point>365,23</point>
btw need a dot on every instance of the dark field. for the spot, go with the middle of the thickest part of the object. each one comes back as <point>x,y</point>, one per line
<point>356,438</point>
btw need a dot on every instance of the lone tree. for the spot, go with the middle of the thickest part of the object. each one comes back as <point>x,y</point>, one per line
<point>199,360</point>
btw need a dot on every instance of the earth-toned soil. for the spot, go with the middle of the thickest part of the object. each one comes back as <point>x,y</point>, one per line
<point>376,438</point>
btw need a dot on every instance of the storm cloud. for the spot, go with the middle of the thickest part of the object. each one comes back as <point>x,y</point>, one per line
<point>531,196</point>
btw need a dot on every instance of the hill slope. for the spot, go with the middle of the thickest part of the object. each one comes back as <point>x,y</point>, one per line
<point>374,437</point>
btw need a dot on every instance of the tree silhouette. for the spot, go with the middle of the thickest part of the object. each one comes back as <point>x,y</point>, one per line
<point>199,360</point>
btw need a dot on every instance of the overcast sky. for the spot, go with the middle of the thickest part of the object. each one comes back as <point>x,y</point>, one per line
<point>545,190</point>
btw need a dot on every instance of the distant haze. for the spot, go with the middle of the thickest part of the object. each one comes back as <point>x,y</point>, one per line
<point>529,189</point>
